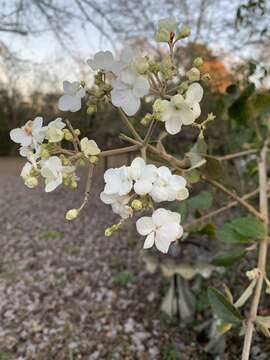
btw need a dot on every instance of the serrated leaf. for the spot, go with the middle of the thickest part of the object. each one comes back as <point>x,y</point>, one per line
<point>249,227</point>
<point>227,233</point>
<point>228,258</point>
<point>223,308</point>
<point>202,201</point>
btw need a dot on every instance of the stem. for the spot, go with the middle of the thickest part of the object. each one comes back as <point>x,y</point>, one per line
<point>262,257</point>
<point>128,124</point>
<point>220,210</point>
<point>234,196</point>
<point>87,186</point>
<point>119,151</point>
<point>236,155</point>
<point>75,139</point>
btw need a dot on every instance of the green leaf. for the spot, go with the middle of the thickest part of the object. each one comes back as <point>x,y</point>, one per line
<point>203,201</point>
<point>227,233</point>
<point>223,308</point>
<point>240,109</point>
<point>208,229</point>
<point>249,227</point>
<point>261,103</point>
<point>228,258</point>
<point>213,168</point>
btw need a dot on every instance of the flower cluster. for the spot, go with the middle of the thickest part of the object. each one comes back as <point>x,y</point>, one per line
<point>40,145</point>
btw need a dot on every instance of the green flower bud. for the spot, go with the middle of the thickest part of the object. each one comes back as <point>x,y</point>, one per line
<point>206,77</point>
<point>193,74</point>
<point>44,154</point>
<point>31,182</point>
<point>183,87</point>
<point>147,119</point>
<point>73,184</point>
<point>77,132</point>
<point>198,62</point>
<point>141,65</point>
<point>91,109</point>
<point>136,205</point>
<point>153,67</point>
<point>72,214</point>
<point>108,232</point>
<point>158,105</point>
<point>99,78</point>
<point>67,135</point>
<point>93,159</point>
<point>185,32</point>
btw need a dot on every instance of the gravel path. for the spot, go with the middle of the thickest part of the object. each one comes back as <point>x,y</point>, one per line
<point>66,291</point>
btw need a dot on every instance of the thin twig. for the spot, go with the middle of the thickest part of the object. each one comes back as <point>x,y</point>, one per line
<point>119,151</point>
<point>236,155</point>
<point>234,196</point>
<point>88,185</point>
<point>262,255</point>
<point>75,139</point>
<point>127,122</point>
<point>220,210</point>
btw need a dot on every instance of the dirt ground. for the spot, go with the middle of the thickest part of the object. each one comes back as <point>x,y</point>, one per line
<point>68,292</point>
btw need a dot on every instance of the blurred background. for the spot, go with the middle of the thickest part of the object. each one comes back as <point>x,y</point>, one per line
<point>66,292</point>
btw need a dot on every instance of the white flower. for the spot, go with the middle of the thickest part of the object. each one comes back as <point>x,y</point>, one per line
<point>168,187</point>
<point>89,147</point>
<point>29,180</point>
<point>128,88</point>
<point>143,175</point>
<point>162,228</point>
<point>30,135</point>
<point>103,60</point>
<point>72,98</point>
<point>26,170</point>
<point>54,131</point>
<point>166,29</point>
<point>52,170</point>
<point>117,181</point>
<point>182,110</point>
<point>118,204</point>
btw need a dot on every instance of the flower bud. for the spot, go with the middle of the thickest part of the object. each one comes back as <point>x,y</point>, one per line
<point>183,87</point>
<point>93,159</point>
<point>108,232</point>
<point>54,134</point>
<point>72,214</point>
<point>158,105</point>
<point>146,119</point>
<point>206,77</point>
<point>136,205</point>
<point>141,65</point>
<point>77,132</point>
<point>185,32</point>
<point>67,135</point>
<point>154,68</point>
<point>73,184</point>
<point>253,274</point>
<point>193,74</point>
<point>91,109</point>
<point>44,154</point>
<point>198,62</point>
<point>31,182</point>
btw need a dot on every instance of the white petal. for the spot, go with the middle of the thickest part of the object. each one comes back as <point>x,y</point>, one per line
<point>194,93</point>
<point>142,187</point>
<point>196,110</point>
<point>160,217</point>
<point>69,103</point>
<point>126,100</point>
<point>127,55</point>
<point>107,199</point>
<point>187,116</point>
<point>159,193</point>
<point>53,184</point>
<point>37,123</point>
<point>144,225</point>
<point>136,168</point>
<point>19,136</point>
<point>128,77</point>
<point>141,87</point>
<point>177,182</point>
<point>165,236</point>
<point>182,194</point>
<point>70,88</point>
<point>173,125</point>
<point>149,173</point>
<point>164,172</point>
<point>149,241</point>
<point>125,187</point>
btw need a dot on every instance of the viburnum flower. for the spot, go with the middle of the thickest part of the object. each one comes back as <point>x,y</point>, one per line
<point>162,228</point>
<point>168,187</point>
<point>89,147</point>
<point>166,28</point>
<point>31,135</point>
<point>52,170</point>
<point>118,204</point>
<point>72,98</point>
<point>182,110</point>
<point>102,60</point>
<point>54,131</point>
<point>117,181</point>
<point>29,180</point>
<point>143,175</point>
<point>128,89</point>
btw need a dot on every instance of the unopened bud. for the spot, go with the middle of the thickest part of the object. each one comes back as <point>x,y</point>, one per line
<point>136,205</point>
<point>44,154</point>
<point>67,135</point>
<point>206,77</point>
<point>91,109</point>
<point>198,62</point>
<point>183,87</point>
<point>31,182</point>
<point>185,32</point>
<point>141,65</point>
<point>93,159</point>
<point>154,68</point>
<point>193,74</point>
<point>77,132</point>
<point>146,119</point>
<point>158,105</point>
<point>73,184</point>
<point>253,274</point>
<point>72,214</point>
<point>108,232</point>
